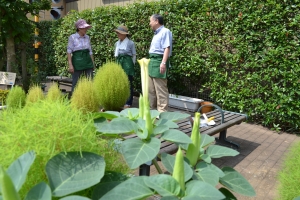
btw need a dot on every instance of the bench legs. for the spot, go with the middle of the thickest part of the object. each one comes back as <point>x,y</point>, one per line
<point>223,140</point>
<point>144,170</point>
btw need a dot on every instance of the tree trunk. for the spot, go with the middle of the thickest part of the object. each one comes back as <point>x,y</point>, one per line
<point>25,80</point>
<point>11,54</point>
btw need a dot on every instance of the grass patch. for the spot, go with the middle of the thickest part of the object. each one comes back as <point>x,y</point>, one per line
<point>289,176</point>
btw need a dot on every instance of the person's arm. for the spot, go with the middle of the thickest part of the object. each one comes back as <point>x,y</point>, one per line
<point>133,51</point>
<point>92,57</point>
<point>71,68</point>
<point>163,63</point>
<point>69,53</point>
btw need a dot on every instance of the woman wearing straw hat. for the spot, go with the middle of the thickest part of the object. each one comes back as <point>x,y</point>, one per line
<point>125,54</point>
<point>80,55</point>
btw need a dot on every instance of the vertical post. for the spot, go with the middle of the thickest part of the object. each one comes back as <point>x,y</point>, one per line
<point>36,34</point>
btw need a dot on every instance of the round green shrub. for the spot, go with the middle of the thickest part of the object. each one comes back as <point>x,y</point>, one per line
<point>112,86</point>
<point>48,128</point>
<point>16,98</point>
<point>84,96</point>
<point>35,94</point>
<point>54,93</point>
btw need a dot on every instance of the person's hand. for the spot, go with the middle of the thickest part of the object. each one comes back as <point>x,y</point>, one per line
<point>71,69</point>
<point>162,68</point>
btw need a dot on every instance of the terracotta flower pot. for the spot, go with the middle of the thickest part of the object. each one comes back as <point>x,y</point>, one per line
<point>206,109</point>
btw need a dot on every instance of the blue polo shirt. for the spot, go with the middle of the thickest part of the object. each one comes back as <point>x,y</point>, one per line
<point>162,39</point>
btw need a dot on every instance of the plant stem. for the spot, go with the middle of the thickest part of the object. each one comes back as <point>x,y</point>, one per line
<point>157,166</point>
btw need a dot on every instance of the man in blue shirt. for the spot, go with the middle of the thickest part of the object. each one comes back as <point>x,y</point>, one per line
<point>159,53</point>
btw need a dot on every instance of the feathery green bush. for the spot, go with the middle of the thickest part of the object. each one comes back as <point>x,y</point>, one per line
<point>35,94</point>
<point>84,96</point>
<point>54,93</point>
<point>48,128</point>
<point>112,86</point>
<point>16,98</point>
<point>289,176</point>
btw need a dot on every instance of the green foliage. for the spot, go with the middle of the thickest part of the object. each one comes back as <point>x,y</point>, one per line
<point>84,96</point>
<point>54,93</point>
<point>3,96</point>
<point>35,94</point>
<point>48,128</point>
<point>111,86</point>
<point>290,174</point>
<point>16,98</point>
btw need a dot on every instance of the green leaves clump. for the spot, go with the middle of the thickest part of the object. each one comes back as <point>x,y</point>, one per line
<point>16,98</point>
<point>112,86</point>
<point>84,96</point>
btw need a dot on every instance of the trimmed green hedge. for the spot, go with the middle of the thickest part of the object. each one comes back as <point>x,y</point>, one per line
<point>245,52</point>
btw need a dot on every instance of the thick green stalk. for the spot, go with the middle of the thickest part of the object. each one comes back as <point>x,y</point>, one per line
<point>193,149</point>
<point>8,189</point>
<point>178,172</point>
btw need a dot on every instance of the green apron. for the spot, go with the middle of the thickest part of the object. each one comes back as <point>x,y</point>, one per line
<point>82,60</point>
<point>154,66</point>
<point>126,62</point>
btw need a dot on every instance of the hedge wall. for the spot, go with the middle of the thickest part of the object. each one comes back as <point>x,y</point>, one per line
<point>245,52</point>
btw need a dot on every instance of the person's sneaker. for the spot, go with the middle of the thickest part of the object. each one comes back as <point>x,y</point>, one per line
<point>126,106</point>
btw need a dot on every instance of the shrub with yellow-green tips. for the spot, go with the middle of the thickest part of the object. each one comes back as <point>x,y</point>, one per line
<point>54,93</point>
<point>16,98</point>
<point>112,86</point>
<point>84,96</point>
<point>35,94</point>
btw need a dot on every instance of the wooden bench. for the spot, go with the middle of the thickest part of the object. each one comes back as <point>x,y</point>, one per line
<point>61,80</point>
<point>223,119</point>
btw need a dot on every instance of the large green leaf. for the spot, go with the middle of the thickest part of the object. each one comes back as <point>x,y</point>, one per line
<point>177,136</point>
<point>215,151</point>
<point>133,188</point>
<point>203,191</point>
<point>118,126</point>
<point>108,182</point>
<point>109,115</point>
<point>228,194</point>
<point>137,152</point>
<point>75,197</point>
<point>154,113</point>
<point>206,140</point>
<point>163,184</point>
<point>206,175</point>
<point>160,129</point>
<point>74,171</point>
<point>168,161</point>
<point>234,181</point>
<point>39,192</point>
<point>18,170</point>
<point>99,122</point>
<point>173,116</point>
<point>132,113</point>
<point>211,166</point>
<point>169,198</point>
<point>8,189</point>
<point>142,131</point>
<point>166,122</point>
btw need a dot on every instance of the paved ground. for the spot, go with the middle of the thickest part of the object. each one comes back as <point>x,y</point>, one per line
<point>261,155</point>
